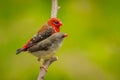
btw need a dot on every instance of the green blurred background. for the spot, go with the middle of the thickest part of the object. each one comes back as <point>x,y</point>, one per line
<point>91,52</point>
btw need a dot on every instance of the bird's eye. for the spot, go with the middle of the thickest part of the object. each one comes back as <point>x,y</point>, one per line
<point>56,22</point>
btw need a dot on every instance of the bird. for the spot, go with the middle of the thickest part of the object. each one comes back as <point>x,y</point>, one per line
<point>48,47</point>
<point>50,27</point>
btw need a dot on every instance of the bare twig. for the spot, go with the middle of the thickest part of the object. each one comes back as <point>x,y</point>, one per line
<point>54,8</point>
<point>50,61</point>
<point>42,70</point>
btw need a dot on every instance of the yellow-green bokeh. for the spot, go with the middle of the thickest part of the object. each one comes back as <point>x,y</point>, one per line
<point>91,52</point>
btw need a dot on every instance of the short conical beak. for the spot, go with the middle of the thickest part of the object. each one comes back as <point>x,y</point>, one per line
<point>65,35</point>
<point>60,23</point>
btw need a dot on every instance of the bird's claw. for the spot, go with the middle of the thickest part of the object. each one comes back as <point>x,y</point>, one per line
<point>44,67</point>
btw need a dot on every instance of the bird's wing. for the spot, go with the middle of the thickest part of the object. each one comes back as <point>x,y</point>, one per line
<point>42,46</point>
<point>41,35</point>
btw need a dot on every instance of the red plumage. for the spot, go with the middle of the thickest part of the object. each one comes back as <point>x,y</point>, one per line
<point>52,26</point>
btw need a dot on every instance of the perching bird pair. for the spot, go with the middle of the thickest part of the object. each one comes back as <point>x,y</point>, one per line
<point>47,40</point>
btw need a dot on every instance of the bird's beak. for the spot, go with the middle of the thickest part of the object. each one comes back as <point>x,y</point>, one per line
<point>60,23</point>
<point>65,35</point>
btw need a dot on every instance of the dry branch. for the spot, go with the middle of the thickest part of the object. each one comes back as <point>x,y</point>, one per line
<point>42,70</point>
<point>50,61</point>
<point>54,8</point>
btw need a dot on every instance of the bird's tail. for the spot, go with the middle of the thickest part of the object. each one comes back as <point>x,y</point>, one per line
<point>19,51</point>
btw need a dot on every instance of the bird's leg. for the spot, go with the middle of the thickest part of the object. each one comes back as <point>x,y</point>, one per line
<point>42,65</point>
<point>40,61</point>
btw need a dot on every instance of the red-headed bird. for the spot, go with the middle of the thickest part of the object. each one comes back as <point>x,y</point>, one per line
<point>52,26</point>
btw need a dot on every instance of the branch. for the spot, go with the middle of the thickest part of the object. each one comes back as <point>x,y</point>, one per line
<point>54,8</point>
<point>50,61</point>
<point>47,64</point>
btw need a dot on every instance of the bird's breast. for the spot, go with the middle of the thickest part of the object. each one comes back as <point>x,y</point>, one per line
<point>46,54</point>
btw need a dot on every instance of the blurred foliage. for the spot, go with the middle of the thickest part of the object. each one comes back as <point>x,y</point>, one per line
<point>91,52</point>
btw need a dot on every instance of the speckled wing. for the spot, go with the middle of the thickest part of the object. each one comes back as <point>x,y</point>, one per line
<point>39,37</point>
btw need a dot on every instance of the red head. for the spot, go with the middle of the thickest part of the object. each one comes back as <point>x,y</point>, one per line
<point>55,23</point>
